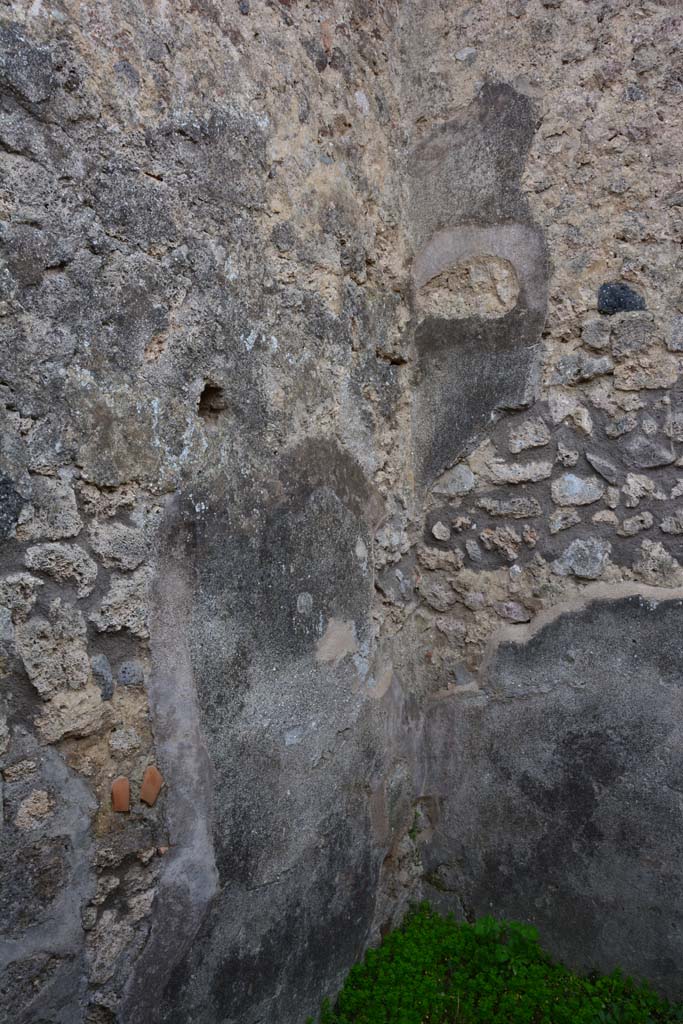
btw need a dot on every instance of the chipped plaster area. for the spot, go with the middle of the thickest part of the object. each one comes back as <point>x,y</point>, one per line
<point>338,640</point>
<point>481,286</point>
<point>485,267</point>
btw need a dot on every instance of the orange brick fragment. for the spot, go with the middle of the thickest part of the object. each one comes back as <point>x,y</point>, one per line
<point>152,781</point>
<point>120,794</point>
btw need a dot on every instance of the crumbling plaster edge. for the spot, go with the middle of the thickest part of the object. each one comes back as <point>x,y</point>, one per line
<point>522,633</point>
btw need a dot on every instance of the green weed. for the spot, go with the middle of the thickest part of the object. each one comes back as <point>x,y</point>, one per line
<point>435,970</point>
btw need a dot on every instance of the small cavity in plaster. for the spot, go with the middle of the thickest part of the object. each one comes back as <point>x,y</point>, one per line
<point>212,402</point>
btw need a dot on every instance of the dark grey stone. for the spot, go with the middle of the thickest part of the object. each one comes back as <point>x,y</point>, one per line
<point>102,673</point>
<point>604,467</point>
<point>580,368</point>
<point>131,673</point>
<point>648,452</point>
<point>11,503</point>
<point>585,558</point>
<point>617,297</point>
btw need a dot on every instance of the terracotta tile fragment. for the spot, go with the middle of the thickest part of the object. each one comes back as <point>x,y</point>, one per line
<point>120,794</point>
<point>152,781</point>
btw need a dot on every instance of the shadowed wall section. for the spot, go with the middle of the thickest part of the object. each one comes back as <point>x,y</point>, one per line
<point>559,787</point>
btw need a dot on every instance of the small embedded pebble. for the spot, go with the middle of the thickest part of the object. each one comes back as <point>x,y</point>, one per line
<point>563,518</point>
<point>513,611</point>
<point>102,674</point>
<point>441,531</point>
<point>131,673</point>
<point>467,55</point>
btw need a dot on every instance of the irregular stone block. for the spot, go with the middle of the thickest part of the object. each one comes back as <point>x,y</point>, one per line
<point>64,562</point>
<point>530,434</point>
<point>520,472</point>
<point>646,371</point>
<point>580,368</point>
<point>516,508</point>
<point>584,558</point>
<point>648,452</point>
<point>596,334</point>
<point>603,466</point>
<point>672,524</point>
<point>657,566</point>
<point>54,652</point>
<point>636,524</point>
<point>570,489</point>
<point>631,333</point>
<point>563,519</point>
<point>125,605</point>
<point>73,713</point>
<point>117,545</point>
<point>455,482</point>
<point>53,512</point>
<point>18,594</point>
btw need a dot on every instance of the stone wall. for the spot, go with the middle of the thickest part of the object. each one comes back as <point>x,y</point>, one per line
<point>340,374</point>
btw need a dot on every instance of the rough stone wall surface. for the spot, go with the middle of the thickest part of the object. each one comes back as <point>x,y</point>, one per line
<point>340,374</point>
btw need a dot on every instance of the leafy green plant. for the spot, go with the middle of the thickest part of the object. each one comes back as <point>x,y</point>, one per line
<point>435,970</point>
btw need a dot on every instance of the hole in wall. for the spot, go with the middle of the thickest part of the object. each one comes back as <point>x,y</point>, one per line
<point>212,402</point>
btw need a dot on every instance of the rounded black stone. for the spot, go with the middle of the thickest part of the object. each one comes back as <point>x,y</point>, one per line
<point>615,297</point>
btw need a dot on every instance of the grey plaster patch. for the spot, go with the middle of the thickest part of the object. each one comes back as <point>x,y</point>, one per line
<point>189,877</point>
<point>466,201</point>
<point>559,786</point>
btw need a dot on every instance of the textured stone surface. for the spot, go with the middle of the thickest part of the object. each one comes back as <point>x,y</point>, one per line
<point>310,385</point>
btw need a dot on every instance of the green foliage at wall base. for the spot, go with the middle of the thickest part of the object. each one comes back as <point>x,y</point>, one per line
<point>435,970</point>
